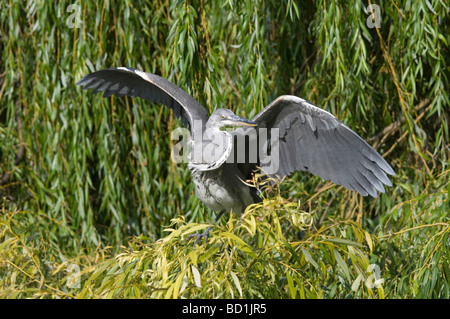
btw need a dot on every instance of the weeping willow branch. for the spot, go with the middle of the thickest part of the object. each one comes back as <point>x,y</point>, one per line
<point>21,148</point>
<point>400,96</point>
<point>406,133</point>
<point>382,136</point>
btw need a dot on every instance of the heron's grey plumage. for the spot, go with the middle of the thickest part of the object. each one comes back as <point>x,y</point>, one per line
<point>310,139</point>
<point>135,83</point>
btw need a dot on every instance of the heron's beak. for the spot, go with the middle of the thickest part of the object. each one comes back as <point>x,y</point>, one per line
<point>237,120</point>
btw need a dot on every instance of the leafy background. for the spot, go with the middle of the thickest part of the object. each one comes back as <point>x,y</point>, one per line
<point>93,207</point>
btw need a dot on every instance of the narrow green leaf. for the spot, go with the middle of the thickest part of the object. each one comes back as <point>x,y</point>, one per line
<point>309,258</point>
<point>236,282</point>
<point>197,277</point>
<point>342,264</point>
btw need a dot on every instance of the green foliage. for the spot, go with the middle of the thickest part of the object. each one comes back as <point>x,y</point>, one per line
<point>96,188</point>
<point>266,254</point>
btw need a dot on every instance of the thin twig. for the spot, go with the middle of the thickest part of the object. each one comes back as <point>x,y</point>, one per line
<point>406,133</point>
<point>395,126</point>
<point>413,228</point>
<point>2,84</point>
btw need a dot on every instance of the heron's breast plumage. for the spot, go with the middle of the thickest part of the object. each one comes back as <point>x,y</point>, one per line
<point>216,192</point>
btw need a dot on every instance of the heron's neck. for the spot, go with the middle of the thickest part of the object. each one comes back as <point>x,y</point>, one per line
<point>215,149</point>
<point>217,137</point>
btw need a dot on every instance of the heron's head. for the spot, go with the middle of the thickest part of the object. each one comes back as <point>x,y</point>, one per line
<point>223,117</point>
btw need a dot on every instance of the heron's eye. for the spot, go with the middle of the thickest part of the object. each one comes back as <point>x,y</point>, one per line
<point>222,117</point>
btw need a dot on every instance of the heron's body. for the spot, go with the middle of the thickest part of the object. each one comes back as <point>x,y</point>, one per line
<point>222,189</point>
<point>218,181</point>
<point>309,139</point>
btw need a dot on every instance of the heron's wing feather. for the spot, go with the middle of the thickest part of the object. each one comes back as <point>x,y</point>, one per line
<point>313,140</point>
<point>135,83</point>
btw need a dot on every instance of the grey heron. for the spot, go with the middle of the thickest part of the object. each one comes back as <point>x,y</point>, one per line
<point>309,139</point>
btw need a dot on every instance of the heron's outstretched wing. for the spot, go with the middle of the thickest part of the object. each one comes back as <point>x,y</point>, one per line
<point>132,82</point>
<point>313,140</point>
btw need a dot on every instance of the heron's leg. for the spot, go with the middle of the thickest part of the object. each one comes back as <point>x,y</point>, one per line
<point>238,223</point>
<point>205,234</point>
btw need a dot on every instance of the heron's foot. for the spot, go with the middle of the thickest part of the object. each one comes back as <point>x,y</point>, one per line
<point>203,235</point>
